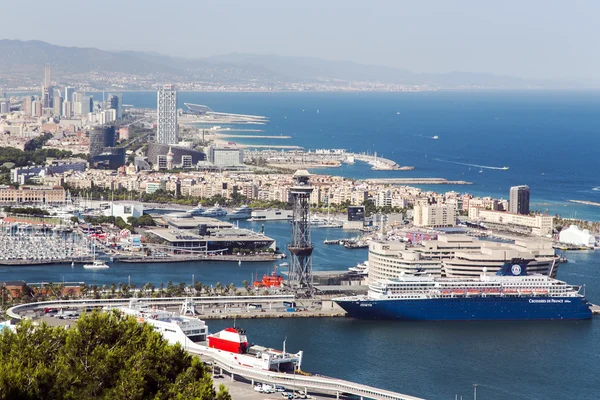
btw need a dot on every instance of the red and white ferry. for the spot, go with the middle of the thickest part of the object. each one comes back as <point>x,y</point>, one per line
<point>231,343</point>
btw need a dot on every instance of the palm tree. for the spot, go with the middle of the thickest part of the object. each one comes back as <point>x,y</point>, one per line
<point>218,287</point>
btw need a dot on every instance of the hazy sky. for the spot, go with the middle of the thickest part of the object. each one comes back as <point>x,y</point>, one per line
<point>528,38</point>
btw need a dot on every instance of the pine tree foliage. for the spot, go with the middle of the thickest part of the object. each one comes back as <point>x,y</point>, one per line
<point>104,356</point>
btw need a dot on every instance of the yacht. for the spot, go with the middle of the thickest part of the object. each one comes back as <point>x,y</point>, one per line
<point>271,215</point>
<point>96,264</point>
<point>197,211</point>
<point>215,211</point>
<point>361,269</point>
<point>242,212</point>
<point>321,222</point>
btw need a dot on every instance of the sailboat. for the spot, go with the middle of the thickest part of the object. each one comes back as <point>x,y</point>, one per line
<point>96,264</point>
<point>481,170</point>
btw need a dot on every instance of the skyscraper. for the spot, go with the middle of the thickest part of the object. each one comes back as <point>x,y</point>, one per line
<point>101,137</point>
<point>46,88</point>
<point>57,105</point>
<point>518,202</point>
<point>115,102</point>
<point>47,76</point>
<point>69,91</point>
<point>26,107</point>
<point>166,115</point>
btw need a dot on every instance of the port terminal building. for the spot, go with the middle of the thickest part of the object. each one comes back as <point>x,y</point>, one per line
<point>457,256</point>
<point>222,241</point>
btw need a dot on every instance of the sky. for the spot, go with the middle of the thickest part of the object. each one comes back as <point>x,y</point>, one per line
<point>525,38</point>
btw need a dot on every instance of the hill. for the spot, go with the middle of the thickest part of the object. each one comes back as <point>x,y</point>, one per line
<point>22,64</point>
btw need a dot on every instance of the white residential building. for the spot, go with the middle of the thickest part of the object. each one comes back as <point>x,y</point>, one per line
<point>166,116</point>
<point>541,225</point>
<point>434,215</point>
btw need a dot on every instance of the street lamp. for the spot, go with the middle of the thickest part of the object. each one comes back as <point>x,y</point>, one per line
<point>475,391</point>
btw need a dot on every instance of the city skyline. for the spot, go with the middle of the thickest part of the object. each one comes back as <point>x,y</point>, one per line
<point>545,40</point>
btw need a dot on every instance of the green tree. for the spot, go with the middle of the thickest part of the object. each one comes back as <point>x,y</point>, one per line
<point>105,357</point>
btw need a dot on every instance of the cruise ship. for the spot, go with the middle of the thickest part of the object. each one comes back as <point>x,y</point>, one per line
<point>242,212</point>
<point>271,215</point>
<point>511,294</point>
<point>215,211</point>
<point>168,323</point>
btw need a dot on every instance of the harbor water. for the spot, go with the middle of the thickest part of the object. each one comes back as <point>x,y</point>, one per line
<point>548,140</point>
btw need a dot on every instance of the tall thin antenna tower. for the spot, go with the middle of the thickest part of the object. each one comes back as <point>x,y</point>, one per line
<point>301,247</point>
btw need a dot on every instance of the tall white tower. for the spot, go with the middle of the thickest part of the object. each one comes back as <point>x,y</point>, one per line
<point>166,115</point>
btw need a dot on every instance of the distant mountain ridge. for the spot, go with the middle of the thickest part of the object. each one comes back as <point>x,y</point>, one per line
<point>24,61</point>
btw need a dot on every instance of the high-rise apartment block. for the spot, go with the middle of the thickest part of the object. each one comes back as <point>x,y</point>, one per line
<point>115,102</point>
<point>519,200</point>
<point>166,115</point>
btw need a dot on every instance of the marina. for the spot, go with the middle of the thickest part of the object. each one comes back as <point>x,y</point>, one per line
<point>24,244</point>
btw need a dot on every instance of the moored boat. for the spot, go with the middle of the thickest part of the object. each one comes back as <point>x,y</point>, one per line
<point>509,295</point>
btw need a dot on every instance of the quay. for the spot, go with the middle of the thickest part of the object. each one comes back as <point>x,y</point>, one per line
<point>219,359</point>
<point>196,257</point>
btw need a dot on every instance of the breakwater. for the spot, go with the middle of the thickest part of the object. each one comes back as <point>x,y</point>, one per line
<point>417,181</point>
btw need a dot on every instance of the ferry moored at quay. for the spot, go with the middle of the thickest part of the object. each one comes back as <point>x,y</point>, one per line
<point>509,295</point>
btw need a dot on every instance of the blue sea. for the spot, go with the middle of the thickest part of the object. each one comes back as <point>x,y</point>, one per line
<point>549,141</point>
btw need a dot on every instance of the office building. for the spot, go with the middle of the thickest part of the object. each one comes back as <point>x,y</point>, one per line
<point>186,161</point>
<point>356,213</point>
<point>519,200</point>
<point>156,149</point>
<point>36,108</point>
<point>110,158</point>
<point>69,92</point>
<point>67,109</point>
<point>57,105</point>
<point>47,82</point>
<point>26,106</point>
<point>225,157</point>
<point>115,102</point>
<point>4,106</point>
<point>166,116</point>
<point>101,137</point>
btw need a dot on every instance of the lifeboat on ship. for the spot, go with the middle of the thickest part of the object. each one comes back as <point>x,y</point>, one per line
<point>473,291</point>
<point>458,291</point>
<point>510,291</point>
<point>541,291</point>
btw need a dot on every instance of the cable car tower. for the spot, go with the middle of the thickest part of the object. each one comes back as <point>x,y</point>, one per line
<point>300,247</point>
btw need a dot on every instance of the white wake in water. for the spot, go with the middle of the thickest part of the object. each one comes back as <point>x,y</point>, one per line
<point>471,165</point>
